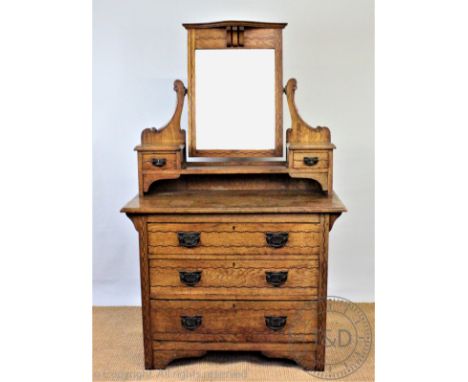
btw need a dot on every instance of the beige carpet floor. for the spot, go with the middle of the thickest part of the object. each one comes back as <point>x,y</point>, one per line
<point>118,356</point>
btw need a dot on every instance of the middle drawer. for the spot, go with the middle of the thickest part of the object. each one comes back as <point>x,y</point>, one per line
<point>248,279</point>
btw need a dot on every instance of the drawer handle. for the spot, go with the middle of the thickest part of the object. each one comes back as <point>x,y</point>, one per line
<point>190,278</point>
<point>159,162</point>
<point>275,322</point>
<point>310,161</point>
<point>276,278</point>
<point>188,239</point>
<point>277,239</point>
<point>191,322</point>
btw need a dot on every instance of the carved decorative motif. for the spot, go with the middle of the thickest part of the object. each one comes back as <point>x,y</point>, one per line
<point>162,358</point>
<point>171,133</point>
<point>300,132</point>
<point>234,36</point>
<point>304,359</point>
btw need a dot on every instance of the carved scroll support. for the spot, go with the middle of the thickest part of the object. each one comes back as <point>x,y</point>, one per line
<point>333,218</point>
<point>310,151</point>
<point>300,132</point>
<point>171,133</point>
<point>162,151</point>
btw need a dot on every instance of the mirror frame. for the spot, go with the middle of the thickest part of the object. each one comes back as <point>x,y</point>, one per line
<point>235,35</point>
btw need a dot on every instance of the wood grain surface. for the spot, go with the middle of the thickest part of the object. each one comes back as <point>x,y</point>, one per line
<point>243,320</point>
<point>235,202</point>
<point>240,274</point>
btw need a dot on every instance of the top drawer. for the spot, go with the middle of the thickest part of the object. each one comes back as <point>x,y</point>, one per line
<point>310,160</point>
<point>156,162</point>
<point>233,238</point>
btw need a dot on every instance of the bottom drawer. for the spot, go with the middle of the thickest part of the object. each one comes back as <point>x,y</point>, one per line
<point>235,321</point>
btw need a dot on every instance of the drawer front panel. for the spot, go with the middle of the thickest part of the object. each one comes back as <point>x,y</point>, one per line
<point>233,238</point>
<point>158,162</point>
<point>236,274</point>
<point>249,279</point>
<point>242,321</point>
<point>310,160</point>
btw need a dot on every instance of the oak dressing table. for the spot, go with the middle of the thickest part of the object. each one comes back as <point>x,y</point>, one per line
<point>233,237</point>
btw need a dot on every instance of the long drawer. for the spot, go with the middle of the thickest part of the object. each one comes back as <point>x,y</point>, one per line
<point>245,279</point>
<point>236,321</point>
<point>239,238</point>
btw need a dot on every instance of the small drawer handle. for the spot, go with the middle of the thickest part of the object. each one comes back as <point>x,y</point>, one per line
<point>191,322</point>
<point>311,161</point>
<point>159,162</point>
<point>276,239</point>
<point>275,322</point>
<point>188,239</point>
<point>190,278</point>
<point>276,278</point>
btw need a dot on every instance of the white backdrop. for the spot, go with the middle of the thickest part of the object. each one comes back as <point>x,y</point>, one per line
<point>140,47</point>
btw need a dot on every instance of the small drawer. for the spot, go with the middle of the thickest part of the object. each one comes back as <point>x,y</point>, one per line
<point>310,160</point>
<point>251,279</point>
<point>156,162</point>
<point>236,321</point>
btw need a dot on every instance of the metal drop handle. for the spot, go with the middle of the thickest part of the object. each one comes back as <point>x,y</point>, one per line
<point>188,239</point>
<point>276,239</point>
<point>276,322</point>
<point>276,278</point>
<point>190,278</point>
<point>311,161</point>
<point>159,162</point>
<point>191,322</point>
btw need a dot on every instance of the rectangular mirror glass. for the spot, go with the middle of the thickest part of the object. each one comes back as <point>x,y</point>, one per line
<point>235,99</point>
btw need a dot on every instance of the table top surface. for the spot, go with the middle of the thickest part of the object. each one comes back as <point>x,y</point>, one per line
<point>268,201</point>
